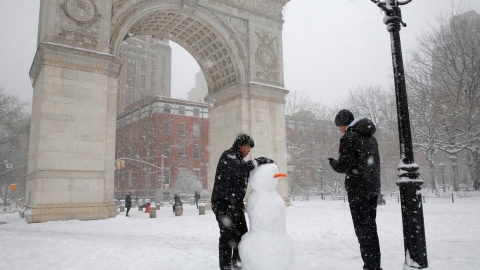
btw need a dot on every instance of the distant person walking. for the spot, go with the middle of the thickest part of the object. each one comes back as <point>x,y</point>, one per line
<point>128,202</point>
<point>231,179</point>
<point>360,162</point>
<point>197,198</point>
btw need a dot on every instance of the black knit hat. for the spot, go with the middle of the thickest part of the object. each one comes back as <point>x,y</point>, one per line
<point>344,118</point>
<point>243,139</point>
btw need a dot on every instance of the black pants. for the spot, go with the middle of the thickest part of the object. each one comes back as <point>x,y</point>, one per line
<point>364,213</point>
<point>232,224</point>
<point>128,209</point>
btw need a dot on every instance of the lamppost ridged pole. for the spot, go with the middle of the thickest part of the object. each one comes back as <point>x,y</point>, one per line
<point>408,182</point>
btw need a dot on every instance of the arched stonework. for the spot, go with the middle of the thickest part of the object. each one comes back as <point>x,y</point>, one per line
<point>237,43</point>
<point>203,36</point>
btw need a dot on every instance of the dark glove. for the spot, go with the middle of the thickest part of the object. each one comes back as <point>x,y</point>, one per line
<point>263,160</point>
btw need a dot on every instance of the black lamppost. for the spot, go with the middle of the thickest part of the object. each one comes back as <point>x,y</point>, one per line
<point>409,184</point>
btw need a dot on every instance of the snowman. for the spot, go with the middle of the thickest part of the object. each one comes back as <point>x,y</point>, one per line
<point>266,245</point>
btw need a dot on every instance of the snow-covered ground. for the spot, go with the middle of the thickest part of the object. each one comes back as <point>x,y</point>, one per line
<point>322,232</point>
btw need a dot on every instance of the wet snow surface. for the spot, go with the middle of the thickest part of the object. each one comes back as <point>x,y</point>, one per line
<point>322,232</point>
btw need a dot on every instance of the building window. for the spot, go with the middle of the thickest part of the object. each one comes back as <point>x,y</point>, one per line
<point>166,149</point>
<point>181,110</point>
<point>196,151</point>
<point>166,127</point>
<point>196,112</point>
<point>181,129</point>
<point>167,109</point>
<point>166,176</point>
<point>196,172</point>
<point>181,151</point>
<point>196,130</point>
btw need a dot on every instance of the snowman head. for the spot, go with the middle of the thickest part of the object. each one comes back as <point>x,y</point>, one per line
<point>263,177</point>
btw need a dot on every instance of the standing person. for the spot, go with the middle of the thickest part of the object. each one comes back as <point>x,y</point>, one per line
<point>360,162</point>
<point>197,197</point>
<point>128,202</point>
<point>231,179</point>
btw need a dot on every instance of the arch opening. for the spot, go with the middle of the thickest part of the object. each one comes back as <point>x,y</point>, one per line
<point>203,40</point>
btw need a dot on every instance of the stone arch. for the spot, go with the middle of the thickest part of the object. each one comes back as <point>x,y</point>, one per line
<point>237,43</point>
<point>200,33</point>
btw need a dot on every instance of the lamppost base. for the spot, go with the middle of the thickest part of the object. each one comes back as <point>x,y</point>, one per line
<point>413,224</point>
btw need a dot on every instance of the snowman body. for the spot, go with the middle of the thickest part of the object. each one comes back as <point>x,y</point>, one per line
<point>266,245</point>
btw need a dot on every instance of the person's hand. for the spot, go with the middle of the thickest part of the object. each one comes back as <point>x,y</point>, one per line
<point>330,160</point>
<point>263,160</point>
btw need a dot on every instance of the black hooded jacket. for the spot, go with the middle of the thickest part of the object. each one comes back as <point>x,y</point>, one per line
<point>359,159</point>
<point>231,178</point>
<point>128,200</point>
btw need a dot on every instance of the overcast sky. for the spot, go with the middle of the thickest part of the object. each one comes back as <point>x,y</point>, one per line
<point>330,46</point>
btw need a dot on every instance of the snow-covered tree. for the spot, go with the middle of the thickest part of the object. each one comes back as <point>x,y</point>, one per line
<point>12,112</point>
<point>444,79</point>
<point>187,183</point>
<point>14,137</point>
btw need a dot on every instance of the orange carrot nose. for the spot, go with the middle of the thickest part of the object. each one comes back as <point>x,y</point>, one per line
<point>280,175</point>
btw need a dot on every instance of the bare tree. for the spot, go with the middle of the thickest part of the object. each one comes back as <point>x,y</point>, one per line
<point>14,135</point>
<point>309,143</point>
<point>374,103</point>
<point>444,74</point>
<point>11,113</point>
<point>300,101</point>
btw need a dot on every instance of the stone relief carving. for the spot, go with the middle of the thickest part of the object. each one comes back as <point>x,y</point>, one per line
<point>266,57</point>
<point>81,21</point>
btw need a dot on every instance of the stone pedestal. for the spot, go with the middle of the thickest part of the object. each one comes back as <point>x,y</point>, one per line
<point>153,212</point>
<point>201,209</point>
<point>122,208</point>
<point>178,211</point>
<point>157,206</point>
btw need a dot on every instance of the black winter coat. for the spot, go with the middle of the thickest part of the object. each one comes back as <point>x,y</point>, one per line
<point>231,178</point>
<point>128,201</point>
<point>359,159</point>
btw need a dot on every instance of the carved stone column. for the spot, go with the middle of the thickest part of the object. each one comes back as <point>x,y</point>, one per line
<point>72,138</point>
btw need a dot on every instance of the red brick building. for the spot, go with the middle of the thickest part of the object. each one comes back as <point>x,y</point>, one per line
<point>157,127</point>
